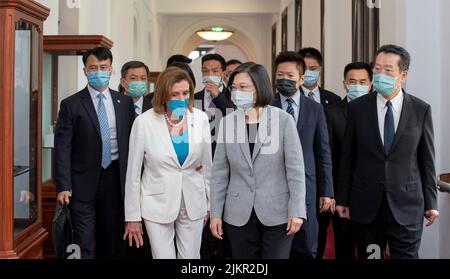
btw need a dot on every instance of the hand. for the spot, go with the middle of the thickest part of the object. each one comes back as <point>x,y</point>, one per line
<point>324,204</point>
<point>431,216</point>
<point>215,226</point>
<point>343,211</point>
<point>294,225</point>
<point>333,206</point>
<point>133,230</point>
<point>205,220</point>
<point>212,88</point>
<point>26,197</point>
<point>63,197</point>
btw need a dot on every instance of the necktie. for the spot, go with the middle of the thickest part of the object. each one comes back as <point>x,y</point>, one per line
<point>104,129</point>
<point>211,103</point>
<point>136,110</point>
<point>290,108</point>
<point>389,128</point>
<point>311,95</point>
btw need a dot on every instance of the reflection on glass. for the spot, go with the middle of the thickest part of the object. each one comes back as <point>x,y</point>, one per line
<point>25,125</point>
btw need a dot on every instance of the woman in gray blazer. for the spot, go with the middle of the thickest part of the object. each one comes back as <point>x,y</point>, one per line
<point>258,178</point>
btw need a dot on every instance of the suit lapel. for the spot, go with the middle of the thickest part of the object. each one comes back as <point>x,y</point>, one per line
<point>373,119</point>
<point>118,112</point>
<point>404,117</point>
<point>302,115</point>
<point>89,106</point>
<point>239,130</point>
<point>345,108</point>
<point>165,137</point>
<point>263,132</point>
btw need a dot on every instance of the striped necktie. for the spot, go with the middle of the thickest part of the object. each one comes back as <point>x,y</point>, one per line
<point>104,128</point>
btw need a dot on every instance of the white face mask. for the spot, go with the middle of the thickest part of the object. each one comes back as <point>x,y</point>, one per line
<point>242,100</point>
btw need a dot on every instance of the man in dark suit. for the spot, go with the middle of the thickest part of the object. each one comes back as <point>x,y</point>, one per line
<point>91,151</point>
<point>312,129</point>
<point>214,99</point>
<point>357,82</point>
<point>134,83</point>
<point>387,182</point>
<point>314,66</point>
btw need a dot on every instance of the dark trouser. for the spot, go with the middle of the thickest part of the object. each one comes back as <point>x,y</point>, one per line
<point>403,241</point>
<point>257,241</point>
<point>344,242</point>
<point>143,252</point>
<point>99,224</point>
<point>304,245</point>
<point>213,248</point>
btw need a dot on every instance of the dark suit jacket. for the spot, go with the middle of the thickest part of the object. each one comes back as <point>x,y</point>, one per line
<point>222,103</point>
<point>312,129</point>
<point>406,175</point>
<point>147,104</point>
<point>336,121</point>
<point>327,98</point>
<point>78,143</point>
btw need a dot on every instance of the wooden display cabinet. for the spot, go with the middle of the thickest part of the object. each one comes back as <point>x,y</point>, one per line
<point>21,47</point>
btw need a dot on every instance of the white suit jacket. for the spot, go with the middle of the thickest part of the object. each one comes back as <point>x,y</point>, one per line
<point>155,194</point>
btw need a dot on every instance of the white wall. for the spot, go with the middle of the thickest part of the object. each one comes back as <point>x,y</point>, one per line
<point>444,151</point>
<point>51,24</point>
<point>210,7</point>
<point>338,43</point>
<point>311,23</point>
<point>255,28</point>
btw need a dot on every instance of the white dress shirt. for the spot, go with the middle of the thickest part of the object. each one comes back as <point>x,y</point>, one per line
<point>397,105</point>
<point>138,106</point>
<point>110,112</point>
<point>315,91</point>
<point>295,104</point>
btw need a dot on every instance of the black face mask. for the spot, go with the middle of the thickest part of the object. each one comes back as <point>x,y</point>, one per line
<point>287,87</point>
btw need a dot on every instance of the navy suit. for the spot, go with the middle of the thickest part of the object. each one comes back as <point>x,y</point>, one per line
<point>312,129</point>
<point>96,205</point>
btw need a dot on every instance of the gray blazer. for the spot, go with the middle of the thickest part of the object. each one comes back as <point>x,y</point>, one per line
<point>272,182</point>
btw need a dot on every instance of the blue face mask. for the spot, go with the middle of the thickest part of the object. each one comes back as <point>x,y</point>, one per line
<point>98,79</point>
<point>137,89</point>
<point>178,107</point>
<point>356,91</point>
<point>384,84</point>
<point>311,77</point>
<point>217,80</point>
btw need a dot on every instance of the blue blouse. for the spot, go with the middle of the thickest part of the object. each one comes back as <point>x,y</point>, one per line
<point>181,146</point>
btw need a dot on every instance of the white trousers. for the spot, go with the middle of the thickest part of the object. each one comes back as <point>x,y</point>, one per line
<point>188,235</point>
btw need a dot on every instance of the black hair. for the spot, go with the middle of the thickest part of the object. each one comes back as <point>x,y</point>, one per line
<point>260,79</point>
<point>131,65</point>
<point>178,58</point>
<point>310,52</point>
<point>102,53</point>
<point>358,66</point>
<point>405,58</point>
<point>185,67</point>
<point>232,62</point>
<point>216,57</point>
<point>291,56</point>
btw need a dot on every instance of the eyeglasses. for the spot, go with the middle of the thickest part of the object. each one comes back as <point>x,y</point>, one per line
<point>241,87</point>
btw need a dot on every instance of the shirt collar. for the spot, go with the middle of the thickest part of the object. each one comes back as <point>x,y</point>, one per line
<point>316,90</point>
<point>295,98</point>
<point>94,93</point>
<point>397,102</point>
